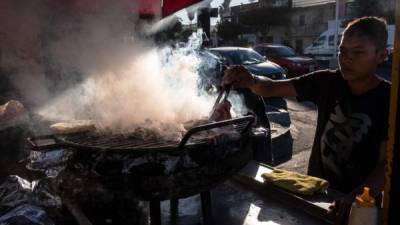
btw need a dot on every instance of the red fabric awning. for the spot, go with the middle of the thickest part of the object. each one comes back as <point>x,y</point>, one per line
<point>172,6</point>
<point>144,7</point>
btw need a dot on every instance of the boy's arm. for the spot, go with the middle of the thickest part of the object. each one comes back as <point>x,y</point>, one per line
<point>266,87</point>
<point>240,77</point>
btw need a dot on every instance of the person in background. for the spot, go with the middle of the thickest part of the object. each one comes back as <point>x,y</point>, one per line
<point>353,104</point>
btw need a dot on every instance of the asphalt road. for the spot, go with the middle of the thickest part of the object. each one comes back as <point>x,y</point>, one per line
<point>232,205</point>
<point>303,117</point>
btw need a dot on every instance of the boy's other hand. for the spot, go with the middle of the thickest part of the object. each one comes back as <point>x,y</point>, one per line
<point>340,209</point>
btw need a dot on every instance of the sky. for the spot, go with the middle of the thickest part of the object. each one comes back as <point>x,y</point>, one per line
<point>215,4</point>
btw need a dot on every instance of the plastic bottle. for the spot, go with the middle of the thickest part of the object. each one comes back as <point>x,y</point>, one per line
<point>363,210</point>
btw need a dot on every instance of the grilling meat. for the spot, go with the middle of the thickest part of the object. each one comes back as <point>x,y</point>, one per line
<point>161,134</point>
<point>72,127</point>
<point>11,113</point>
<point>148,131</point>
<point>194,123</point>
<point>222,111</point>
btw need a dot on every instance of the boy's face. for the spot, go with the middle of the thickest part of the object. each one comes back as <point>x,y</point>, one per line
<point>359,57</point>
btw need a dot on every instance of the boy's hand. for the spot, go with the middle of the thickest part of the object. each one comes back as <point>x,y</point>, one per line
<point>340,209</point>
<point>238,76</point>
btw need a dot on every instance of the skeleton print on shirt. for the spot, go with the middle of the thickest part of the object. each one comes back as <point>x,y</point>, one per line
<point>341,134</point>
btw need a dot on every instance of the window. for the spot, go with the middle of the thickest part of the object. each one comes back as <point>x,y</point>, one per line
<point>280,51</point>
<point>302,20</point>
<point>287,43</point>
<point>299,46</point>
<point>319,41</point>
<point>245,57</point>
<point>260,50</point>
<point>269,39</point>
<point>332,38</point>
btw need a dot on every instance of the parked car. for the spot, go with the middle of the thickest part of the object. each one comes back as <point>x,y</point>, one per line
<point>257,105</point>
<point>323,48</point>
<point>250,59</point>
<point>256,64</point>
<point>286,57</point>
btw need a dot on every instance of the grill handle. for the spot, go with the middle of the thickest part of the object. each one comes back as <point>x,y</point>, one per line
<point>249,119</point>
<point>43,142</point>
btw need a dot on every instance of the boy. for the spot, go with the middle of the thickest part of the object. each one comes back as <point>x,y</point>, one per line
<point>353,104</point>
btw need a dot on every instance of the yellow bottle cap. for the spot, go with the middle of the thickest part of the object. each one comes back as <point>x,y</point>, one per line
<point>365,200</point>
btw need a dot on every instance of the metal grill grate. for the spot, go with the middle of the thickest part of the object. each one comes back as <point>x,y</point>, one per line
<point>98,141</point>
<point>117,141</point>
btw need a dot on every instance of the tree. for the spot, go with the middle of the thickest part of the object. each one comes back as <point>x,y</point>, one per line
<point>185,33</point>
<point>262,18</point>
<point>368,8</point>
<point>228,30</point>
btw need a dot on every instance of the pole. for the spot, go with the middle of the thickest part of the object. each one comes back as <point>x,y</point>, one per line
<point>392,170</point>
<point>336,28</point>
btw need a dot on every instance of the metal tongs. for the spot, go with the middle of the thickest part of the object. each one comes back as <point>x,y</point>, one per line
<point>225,90</point>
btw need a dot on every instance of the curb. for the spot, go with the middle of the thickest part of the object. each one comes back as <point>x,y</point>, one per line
<point>281,138</point>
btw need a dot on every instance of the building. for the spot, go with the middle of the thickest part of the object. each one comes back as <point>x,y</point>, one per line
<point>307,20</point>
<point>302,20</point>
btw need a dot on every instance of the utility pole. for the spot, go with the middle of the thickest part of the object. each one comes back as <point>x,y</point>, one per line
<point>335,40</point>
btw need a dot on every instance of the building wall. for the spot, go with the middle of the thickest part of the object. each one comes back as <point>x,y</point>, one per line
<point>307,3</point>
<point>307,23</point>
<point>308,19</point>
<point>275,34</point>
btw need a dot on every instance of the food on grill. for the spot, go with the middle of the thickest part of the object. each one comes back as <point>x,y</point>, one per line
<point>172,132</point>
<point>194,123</point>
<point>11,112</point>
<point>72,127</point>
<point>159,134</point>
<point>148,131</point>
<point>222,111</point>
<point>209,133</point>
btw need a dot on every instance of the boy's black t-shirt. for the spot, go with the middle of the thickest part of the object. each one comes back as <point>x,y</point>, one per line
<point>350,128</point>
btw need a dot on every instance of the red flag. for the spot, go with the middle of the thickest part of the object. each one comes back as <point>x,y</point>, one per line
<point>172,6</point>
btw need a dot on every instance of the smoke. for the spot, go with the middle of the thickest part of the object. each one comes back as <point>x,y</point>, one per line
<point>159,84</point>
<point>96,65</point>
<point>20,59</point>
<point>125,79</point>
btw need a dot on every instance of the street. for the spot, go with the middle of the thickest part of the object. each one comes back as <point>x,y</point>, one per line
<point>303,118</point>
<point>234,205</point>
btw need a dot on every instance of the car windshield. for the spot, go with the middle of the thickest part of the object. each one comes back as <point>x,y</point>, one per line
<point>281,51</point>
<point>240,56</point>
<point>319,41</point>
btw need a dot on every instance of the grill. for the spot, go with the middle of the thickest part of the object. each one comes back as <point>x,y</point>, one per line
<point>151,169</point>
<point>123,143</point>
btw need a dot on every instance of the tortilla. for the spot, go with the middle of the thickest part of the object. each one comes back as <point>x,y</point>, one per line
<point>72,127</point>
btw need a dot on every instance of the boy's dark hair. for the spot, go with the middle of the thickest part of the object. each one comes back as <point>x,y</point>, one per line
<point>371,27</point>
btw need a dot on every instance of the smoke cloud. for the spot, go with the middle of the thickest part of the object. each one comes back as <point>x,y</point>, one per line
<point>160,84</point>
<point>97,65</point>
